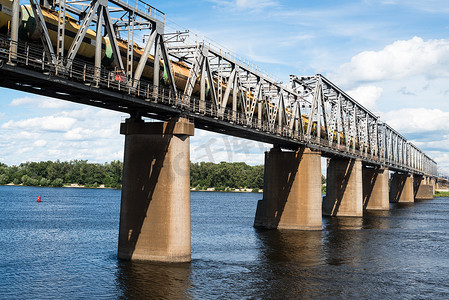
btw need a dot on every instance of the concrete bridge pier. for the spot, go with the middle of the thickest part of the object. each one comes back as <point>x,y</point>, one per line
<point>155,206</point>
<point>292,191</point>
<point>433,182</point>
<point>423,188</point>
<point>344,189</point>
<point>401,188</point>
<point>375,188</point>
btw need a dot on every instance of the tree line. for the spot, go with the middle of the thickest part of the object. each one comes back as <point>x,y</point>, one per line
<point>203,175</point>
<point>222,176</point>
<point>57,173</point>
<point>225,176</point>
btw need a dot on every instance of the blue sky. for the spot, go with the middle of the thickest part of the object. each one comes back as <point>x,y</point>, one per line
<point>392,56</point>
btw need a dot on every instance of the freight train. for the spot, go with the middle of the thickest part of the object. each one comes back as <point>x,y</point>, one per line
<point>28,32</point>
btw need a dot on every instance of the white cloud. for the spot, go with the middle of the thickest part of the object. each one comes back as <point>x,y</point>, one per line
<point>399,60</point>
<point>84,133</point>
<point>80,114</point>
<point>53,103</point>
<point>255,4</point>
<point>442,159</point>
<point>87,133</point>
<point>40,143</point>
<point>24,150</point>
<point>75,134</point>
<point>22,101</point>
<point>366,95</point>
<point>26,135</point>
<point>251,5</point>
<point>48,123</point>
<point>39,101</point>
<point>417,120</point>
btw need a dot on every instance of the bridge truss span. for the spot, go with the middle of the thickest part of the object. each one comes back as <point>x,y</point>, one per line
<point>142,70</point>
<point>351,126</point>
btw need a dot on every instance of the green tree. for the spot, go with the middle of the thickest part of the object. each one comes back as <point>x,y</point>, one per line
<point>58,182</point>
<point>44,182</point>
<point>4,179</point>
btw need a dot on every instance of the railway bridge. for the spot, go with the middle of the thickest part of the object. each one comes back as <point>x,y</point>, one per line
<point>116,55</point>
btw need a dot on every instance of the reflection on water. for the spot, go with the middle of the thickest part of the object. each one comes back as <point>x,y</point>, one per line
<point>301,247</point>
<point>376,220</point>
<point>140,280</point>
<point>65,247</point>
<point>286,263</point>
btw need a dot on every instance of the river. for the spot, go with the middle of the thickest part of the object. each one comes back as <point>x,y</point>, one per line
<point>65,248</point>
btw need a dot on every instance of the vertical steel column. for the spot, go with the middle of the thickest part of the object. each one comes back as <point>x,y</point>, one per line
<point>219,84</point>
<point>354,128</point>
<point>98,43</point>
<point>203,81</point>
<point>61,32</point>
<point>203,86</point>
<point>130,50</point>
<point>234,94</point>
<point>366,139</point>
<point>15,28</point>
<point>156,69</point>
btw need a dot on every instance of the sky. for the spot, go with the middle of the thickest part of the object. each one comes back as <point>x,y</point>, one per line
<point>391,56</point>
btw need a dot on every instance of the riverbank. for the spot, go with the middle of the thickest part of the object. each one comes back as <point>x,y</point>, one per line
<point>438,193</point>
<point>441,193</point>
<point>71,185</point>
<point>102,186</point>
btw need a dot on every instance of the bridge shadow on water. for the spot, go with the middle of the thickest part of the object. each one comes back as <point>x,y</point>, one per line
<point>143,280</point>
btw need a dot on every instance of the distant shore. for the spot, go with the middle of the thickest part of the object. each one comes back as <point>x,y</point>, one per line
<point>72,185</point>
<point>101,186</point>
<point>438,193</point>
<point>441,193</point>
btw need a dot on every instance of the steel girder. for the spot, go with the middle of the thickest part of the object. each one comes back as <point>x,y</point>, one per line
<point>310,110</point>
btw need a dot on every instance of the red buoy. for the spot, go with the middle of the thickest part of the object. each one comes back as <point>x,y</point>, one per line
<point>38,198</point>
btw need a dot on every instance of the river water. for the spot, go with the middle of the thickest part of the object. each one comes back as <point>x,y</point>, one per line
<point>65,248</point>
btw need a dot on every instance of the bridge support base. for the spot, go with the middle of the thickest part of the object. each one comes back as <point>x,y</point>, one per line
<point>401,188</point>
<point>155,207</point>
<point>375,189</point>
<point>423,189</point>
<point>292,191</point>
<point>344,190</point>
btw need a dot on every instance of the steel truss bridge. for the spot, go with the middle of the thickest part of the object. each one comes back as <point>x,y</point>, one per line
<point>220,92</point>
